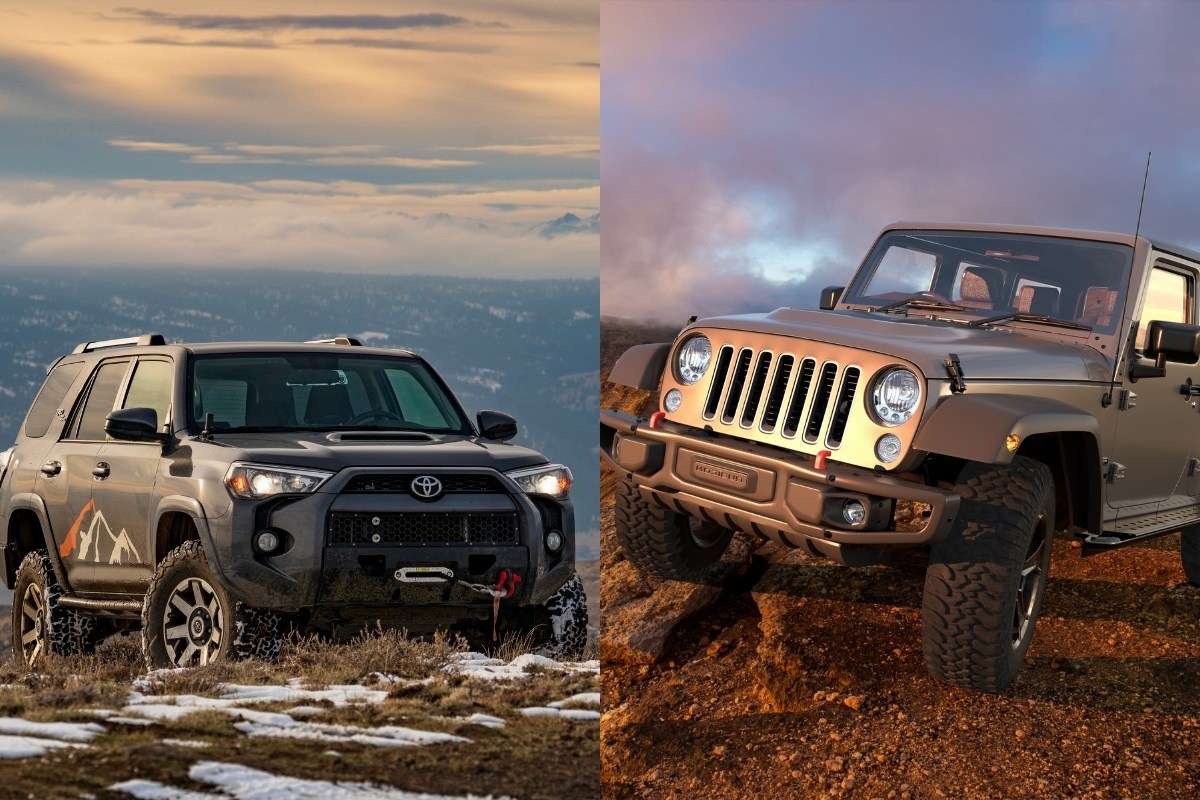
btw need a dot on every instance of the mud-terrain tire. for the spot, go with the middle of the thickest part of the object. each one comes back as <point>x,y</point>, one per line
<point>189,619</point>
<point>40,626</point>
<point>1189,551</point>
<point>985,580</point>
<point>665,543</point>
<point>568,613</point>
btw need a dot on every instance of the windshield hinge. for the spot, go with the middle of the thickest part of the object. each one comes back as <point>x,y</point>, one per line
<point>958,384</point>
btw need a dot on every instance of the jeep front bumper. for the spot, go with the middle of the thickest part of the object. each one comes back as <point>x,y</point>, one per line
<point>763,490</point>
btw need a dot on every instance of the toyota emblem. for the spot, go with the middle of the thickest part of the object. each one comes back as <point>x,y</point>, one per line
<point>426,487</point>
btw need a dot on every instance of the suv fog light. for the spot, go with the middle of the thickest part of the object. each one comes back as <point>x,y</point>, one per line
<point>266,541</point>
<point>854,512</point>
<point>673,400</point>
<point>888,448</point>
<point>554,541</point>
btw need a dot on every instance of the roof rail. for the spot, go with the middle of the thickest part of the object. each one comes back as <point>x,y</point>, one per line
<point>348,340</point>
<point>145,340</point>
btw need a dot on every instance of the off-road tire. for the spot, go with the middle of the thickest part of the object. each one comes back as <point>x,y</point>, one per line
<point>40,625</point>
<point>985,580</point>
<point>1189,550</point>
<point>225,628</point>
<point>665,543</point>
<point>568,613</point>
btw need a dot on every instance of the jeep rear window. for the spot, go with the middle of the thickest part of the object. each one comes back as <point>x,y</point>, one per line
<point>50,399</point>
<point>318,391</point>
<point>1076,280</point>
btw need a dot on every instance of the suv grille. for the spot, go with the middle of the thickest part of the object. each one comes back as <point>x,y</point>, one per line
<point>398,484</point>
<point>756,390</point>
<point>349,529</point>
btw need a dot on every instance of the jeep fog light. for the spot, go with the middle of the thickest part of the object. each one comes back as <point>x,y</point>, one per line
<point>554,541</point>
<point>673,400</point>
<point>552,480</point>
<point>266,541</point>
<point>895,395</point>
<point>253,482</point>
<point>853,512</point>
<point>693,358</point>
<point>888,448</point>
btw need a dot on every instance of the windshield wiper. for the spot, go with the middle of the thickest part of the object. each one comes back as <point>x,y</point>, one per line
<point>1020,317</point>
<point>919,302</point>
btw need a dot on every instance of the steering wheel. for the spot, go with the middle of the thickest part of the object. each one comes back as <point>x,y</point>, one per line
<point>382,413</point>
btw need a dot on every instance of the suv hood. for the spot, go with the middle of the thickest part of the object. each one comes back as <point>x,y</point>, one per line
<point>315,450</point>
<point>985,353</point>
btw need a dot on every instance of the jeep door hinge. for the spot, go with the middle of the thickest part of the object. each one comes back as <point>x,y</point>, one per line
<point>1128,400</point>
<point>1115,472</point>
<point>1192,465</point>
<point>958,384</point>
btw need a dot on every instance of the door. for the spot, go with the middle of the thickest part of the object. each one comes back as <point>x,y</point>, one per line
<point>1156,436</point>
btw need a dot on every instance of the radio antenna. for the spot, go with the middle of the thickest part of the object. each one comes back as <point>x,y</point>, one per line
<point>1107,399</point>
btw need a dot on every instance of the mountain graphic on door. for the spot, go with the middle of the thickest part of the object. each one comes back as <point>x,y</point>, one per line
<point>89,543</point>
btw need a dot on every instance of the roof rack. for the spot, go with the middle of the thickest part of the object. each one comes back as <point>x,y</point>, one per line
<point>145,340</point>
<point>347,340</point>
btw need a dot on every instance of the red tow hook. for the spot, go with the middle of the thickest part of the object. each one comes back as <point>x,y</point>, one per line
<point>819,461</point>
<point>657,417</point>
<point>509,579</point>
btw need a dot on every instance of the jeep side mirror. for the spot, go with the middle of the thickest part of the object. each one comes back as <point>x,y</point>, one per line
<point>1177,342</point>
<point>830,296</point>
<point>496,426</point>
<point>134,425</point>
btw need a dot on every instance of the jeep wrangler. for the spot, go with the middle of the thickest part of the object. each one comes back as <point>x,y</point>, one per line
<point>1000,384</point>
<point>218,494</point>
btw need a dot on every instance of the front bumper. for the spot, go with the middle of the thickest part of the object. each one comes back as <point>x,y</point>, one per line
<point>764,490</point>
<point>321,569</point>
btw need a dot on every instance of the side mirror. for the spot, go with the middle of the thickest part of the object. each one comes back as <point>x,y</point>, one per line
<point>496,426</point>
<point>1173,341</point>
<point>830,296</point>
<point>134,425</point>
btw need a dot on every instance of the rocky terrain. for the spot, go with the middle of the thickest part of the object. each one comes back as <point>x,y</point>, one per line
<point>805,679</point>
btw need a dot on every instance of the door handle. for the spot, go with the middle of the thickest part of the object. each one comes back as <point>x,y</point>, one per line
<point>51,468</point>
<point>101,469</point>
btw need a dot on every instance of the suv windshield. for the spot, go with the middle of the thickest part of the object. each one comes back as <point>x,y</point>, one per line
<point>318,391</point>
<point>1073,280</point>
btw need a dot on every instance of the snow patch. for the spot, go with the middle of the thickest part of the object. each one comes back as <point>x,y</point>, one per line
<point>476,665</point>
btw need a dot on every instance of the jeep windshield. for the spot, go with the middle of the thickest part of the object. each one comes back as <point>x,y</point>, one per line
<point>308,391</point>
<point>996,278</point>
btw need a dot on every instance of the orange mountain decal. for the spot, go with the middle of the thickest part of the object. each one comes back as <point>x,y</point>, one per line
<point>68,544</point>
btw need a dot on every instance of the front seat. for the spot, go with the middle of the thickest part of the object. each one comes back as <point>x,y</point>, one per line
<point>328,405</point>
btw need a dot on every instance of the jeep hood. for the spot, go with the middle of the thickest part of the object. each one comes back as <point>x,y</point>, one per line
<point>984,353</point>
<point>316,450</point>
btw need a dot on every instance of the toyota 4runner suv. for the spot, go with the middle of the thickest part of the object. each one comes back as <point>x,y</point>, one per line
<point>1006,384</point>
<point>218,494</point>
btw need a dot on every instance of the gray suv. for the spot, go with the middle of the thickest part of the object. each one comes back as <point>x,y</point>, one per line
<point>219,494</point>
<point>977,390</point>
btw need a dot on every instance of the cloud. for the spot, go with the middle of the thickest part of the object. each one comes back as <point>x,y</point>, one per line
<point>275,22</point>
<point>158,147</point>
<point>368,155</point>
<point>399,44</point>
<point>253,44</point>
<point>568,146</point>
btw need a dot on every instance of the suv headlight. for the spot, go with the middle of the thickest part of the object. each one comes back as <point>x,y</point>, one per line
<point>552,480</point>
<point>895,396</point>
<point>252,481</point>
<point>692,359</point>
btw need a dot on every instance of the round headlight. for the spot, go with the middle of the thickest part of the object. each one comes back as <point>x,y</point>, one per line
<point>895,396</point>
<point>693,358</point>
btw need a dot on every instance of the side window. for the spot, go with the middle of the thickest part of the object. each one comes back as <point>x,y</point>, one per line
<point>102,396</point>
<point>1167,299</point>
<point>50,399</point>
<point>150,387</point>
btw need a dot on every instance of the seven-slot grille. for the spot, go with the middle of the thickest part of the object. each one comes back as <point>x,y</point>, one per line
<point>442,528</point>
<point>792,396</point>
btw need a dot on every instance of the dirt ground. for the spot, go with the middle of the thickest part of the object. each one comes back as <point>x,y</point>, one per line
<point>805,679</point>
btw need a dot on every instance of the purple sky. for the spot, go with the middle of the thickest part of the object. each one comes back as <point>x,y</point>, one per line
<point>751,151</point>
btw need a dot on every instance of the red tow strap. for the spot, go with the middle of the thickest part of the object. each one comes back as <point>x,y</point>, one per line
<point>502,591</point>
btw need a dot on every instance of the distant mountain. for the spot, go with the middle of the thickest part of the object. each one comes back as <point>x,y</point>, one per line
<point>525,347</point>
<point>567,224</point>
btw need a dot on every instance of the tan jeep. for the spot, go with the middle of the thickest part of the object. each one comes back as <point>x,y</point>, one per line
<point>1010,383</point>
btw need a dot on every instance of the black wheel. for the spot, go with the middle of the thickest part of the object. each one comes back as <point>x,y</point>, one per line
<point>665,543</point>
<point>985,580</point>
<point>188,619</point>
<point>1189,549</point>
<point>40,626</point>
<point>568,620</point>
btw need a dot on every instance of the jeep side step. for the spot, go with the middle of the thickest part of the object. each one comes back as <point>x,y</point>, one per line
<point>126,609</point>
<point>1113,539</point>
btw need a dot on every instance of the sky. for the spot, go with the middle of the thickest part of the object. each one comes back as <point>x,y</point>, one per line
<point>393,136</point>
<point>752,151</point>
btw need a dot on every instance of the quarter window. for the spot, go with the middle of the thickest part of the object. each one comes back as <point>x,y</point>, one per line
<point>100,401</point>
<point>150,387</point>
<point>1166,300</point>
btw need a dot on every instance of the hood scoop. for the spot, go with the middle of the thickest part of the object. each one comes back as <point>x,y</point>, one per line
<point>379,436</point>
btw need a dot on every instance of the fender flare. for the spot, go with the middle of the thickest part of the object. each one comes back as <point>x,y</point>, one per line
<point>29,501</point>
<point>641,366</point>
<point>977,427</point>
<point>177,503</point>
